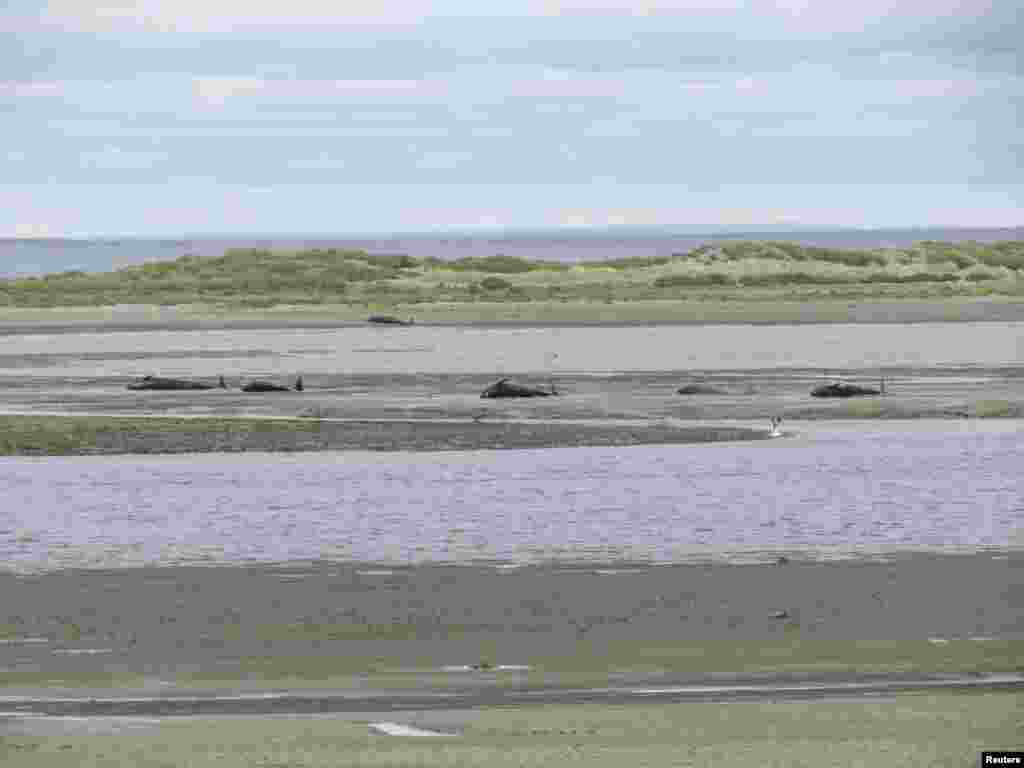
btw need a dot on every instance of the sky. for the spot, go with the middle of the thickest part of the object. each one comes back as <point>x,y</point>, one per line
<point>157,118</point>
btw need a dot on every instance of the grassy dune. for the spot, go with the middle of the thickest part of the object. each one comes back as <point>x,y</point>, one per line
<point>748,271</point>
<point>906,730</point>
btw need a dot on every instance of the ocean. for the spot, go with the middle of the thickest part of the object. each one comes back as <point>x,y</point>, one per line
<point>25,257</point>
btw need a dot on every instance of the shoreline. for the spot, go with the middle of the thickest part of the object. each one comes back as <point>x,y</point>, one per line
<point>553,566</point>
<point>538,314</point>
<point>41,434</point>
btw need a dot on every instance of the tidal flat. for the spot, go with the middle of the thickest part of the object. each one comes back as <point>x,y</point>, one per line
<point>810,307</point>
<point>418,388</point>
<point>367,626</point>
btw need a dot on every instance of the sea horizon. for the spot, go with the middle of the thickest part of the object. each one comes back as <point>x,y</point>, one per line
<point>33,256</point>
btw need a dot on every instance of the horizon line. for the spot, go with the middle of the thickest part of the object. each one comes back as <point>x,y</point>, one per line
<point>499,232</point>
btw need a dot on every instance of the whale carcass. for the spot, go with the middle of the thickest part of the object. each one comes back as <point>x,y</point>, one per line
<point>388,320</point>
<point>841,389</point>
<point>699,389</point>
<point>159,383</point>
<point>506,388</point>
<point>266,386</point>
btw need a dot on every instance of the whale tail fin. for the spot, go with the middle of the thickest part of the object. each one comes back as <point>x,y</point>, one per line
<point>221,383</point>
<point>298,384</point>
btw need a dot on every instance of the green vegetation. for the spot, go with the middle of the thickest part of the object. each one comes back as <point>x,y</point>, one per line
<point>907,730</point>
<point>894,408</point>
<point>406,656</point>
<point>507,265</point>
<point>989,409</point>
<point>68,435</point>
<point>119,434</point>
<point>355,281</point>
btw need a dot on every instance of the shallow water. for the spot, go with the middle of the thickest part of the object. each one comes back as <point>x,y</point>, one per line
<point>833,490</point>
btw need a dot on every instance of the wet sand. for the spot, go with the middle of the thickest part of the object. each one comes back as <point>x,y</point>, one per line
<point>708,309</point>
<point>430,412</point>
<point>363,626</point>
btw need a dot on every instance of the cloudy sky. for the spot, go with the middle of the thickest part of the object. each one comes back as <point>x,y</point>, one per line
<point>148,117</point>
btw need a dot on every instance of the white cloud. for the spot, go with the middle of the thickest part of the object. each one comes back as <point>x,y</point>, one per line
<point>215,91</point>
<point>27,230</point>
<point>489,221</point>
<point>575,219</point>
<point>31,89</point>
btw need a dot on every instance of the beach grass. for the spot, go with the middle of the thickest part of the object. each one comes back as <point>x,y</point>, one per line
<point>256,279</point>
<point>906,730</point>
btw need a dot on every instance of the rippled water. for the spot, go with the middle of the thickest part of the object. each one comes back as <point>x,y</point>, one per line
<point>830,489</point>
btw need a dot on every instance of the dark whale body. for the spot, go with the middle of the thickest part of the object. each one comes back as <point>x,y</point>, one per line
<point>157,383</point>
<point>506,388</point>
<point>843,390</point>
<point>266,386</point>
<point>388,320</point>
<point>699,389</point>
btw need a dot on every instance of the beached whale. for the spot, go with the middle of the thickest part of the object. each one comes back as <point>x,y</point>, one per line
<point>266,386</point>
<point>505,388</point>
<point>699,389</point>
<point>158,383</point>
<point>841,389</point>
<point>388,320</point>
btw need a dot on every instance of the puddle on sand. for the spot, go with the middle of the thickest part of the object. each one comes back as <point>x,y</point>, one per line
<point>398,729</point>
<point>23,640</point>
<point>478,668</point>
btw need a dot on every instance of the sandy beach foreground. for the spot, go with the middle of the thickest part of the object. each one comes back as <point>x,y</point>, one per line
<point>360,627</point>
